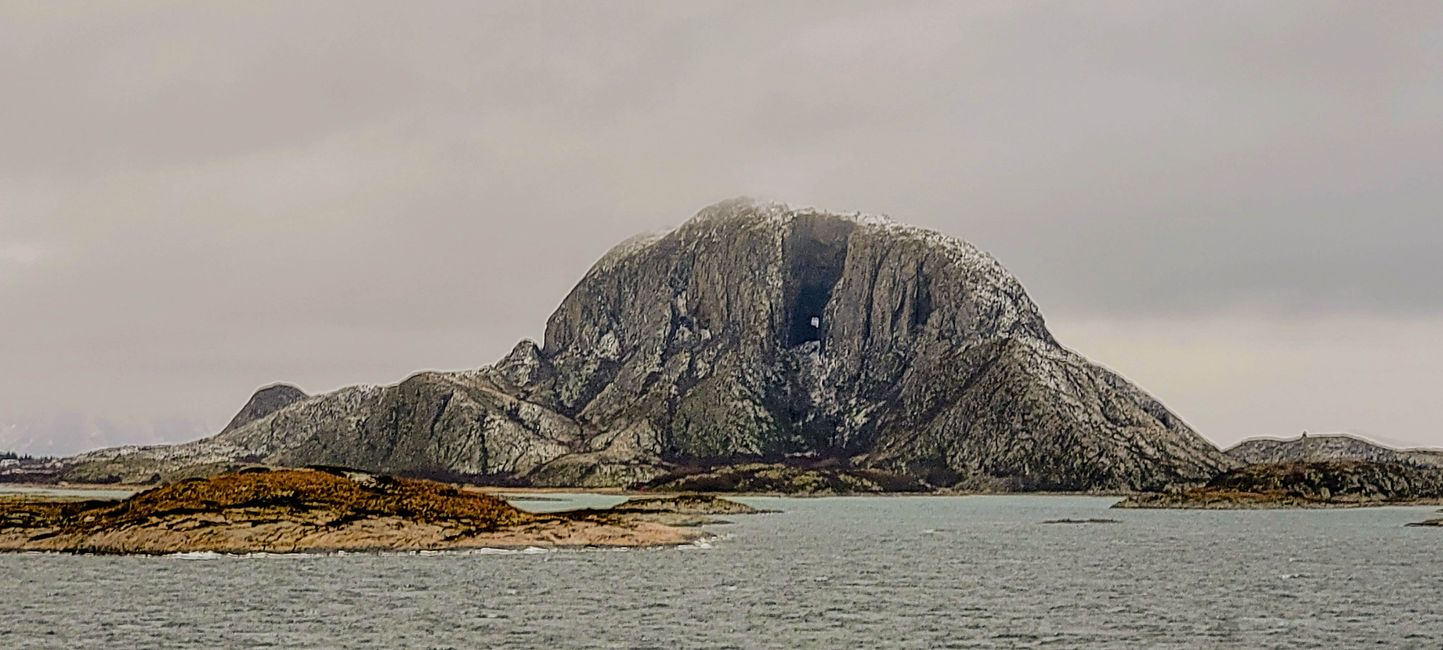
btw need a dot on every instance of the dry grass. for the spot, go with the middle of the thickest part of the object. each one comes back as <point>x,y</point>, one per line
<point>311,493</point>
<point>310,510</point>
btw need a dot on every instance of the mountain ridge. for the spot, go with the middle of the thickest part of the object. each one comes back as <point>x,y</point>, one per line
<point>1327,447</point>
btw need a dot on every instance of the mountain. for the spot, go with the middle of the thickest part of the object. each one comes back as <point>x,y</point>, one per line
<point>1314,448</point>
<point>752,332</point>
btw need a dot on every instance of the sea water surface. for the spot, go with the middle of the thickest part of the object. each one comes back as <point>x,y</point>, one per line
<point>875,572</point>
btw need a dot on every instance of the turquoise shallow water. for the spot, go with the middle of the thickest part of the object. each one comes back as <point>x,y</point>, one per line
<point>888,572</point>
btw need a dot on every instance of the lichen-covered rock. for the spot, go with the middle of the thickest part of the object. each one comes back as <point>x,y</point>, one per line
<point>758,331</point>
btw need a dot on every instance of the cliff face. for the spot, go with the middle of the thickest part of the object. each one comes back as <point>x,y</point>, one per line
<point>1317,448</point>
<point>266,401</point>
<point>759,331</point>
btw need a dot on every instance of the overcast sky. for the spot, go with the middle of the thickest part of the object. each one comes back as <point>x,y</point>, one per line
<point>1238,205</point>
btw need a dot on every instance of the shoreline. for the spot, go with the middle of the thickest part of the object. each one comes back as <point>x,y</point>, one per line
<point>617,491</point>
<point>542,493</point>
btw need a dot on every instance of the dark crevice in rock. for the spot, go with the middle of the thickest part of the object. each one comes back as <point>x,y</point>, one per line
<point>440,412</point>
<point>816,253</point>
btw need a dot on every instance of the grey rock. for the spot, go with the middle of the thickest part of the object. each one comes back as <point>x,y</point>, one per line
<point>264,402</point>
<point>1316,448</point>
<point>757,331</point>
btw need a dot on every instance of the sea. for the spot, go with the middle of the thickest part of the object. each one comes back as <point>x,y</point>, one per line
<point>845,572</point>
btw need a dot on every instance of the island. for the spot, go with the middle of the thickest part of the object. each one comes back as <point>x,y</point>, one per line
<point>326,509</point>
<point>776,478</point>
<point>1321,484</point>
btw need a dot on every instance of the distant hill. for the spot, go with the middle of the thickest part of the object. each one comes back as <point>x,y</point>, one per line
<point>1313,484</point>
<point>1338,446</point>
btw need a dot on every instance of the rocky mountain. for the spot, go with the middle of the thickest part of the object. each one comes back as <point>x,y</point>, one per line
<point>1315,448</point>
<point>752,332</point>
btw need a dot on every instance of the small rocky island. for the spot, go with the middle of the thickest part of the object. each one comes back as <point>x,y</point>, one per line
<point>1322,484</point>
<point>774,478</point>
<point>326,509</point>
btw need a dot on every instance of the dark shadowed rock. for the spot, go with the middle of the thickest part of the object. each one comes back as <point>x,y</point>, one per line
<point>756,332</point>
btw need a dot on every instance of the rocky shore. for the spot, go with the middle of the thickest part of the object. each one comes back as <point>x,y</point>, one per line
<point>315,510</point>
<point>1323,484</point>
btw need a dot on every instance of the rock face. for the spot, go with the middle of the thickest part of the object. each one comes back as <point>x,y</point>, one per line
<point>1314,448</point>
<point>1338,483</point>
<point>307,510</point>
<point>756,332</point>
<point>266,401</point>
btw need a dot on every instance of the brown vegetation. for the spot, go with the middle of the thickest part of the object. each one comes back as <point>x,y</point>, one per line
<point>317,509</point>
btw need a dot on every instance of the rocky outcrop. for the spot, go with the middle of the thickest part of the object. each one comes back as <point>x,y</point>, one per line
<point>754,332</point>
<point>308,510</point>
<point>1315,448</point>
<point>1324,484</point>
<point>264,402</point>
<point>681,510</point>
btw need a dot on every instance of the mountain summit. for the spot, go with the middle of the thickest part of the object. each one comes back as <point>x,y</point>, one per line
<point>753,331</point>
